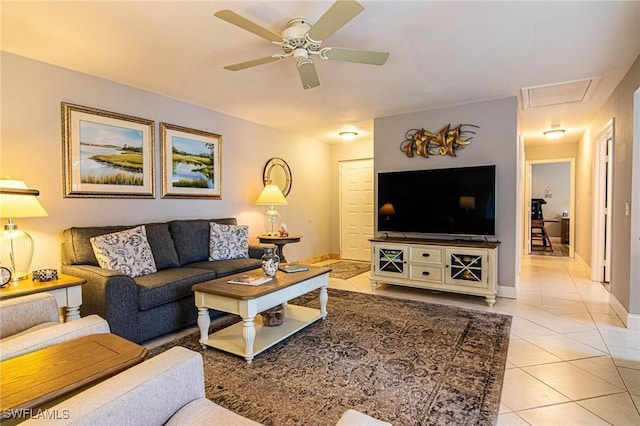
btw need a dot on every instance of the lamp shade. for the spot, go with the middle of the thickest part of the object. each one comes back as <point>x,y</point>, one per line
<point>387,209</point>
<point>271,196</point>
<point>467,202</point>
<point>17,200</point>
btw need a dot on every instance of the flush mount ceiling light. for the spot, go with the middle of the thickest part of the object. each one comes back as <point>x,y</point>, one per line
<point>554,133</point>
<point>348,136</point>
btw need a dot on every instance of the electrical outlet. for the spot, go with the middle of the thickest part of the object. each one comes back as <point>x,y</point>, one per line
<point>626,209</point>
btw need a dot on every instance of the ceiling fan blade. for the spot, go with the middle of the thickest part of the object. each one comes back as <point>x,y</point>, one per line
<point>355,55</point>
<point>239,21</point>
<point>336,17</point>
<point>253,63</point>
<point>308,74</point>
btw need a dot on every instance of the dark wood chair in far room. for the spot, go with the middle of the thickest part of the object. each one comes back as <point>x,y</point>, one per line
<point>538,231</point>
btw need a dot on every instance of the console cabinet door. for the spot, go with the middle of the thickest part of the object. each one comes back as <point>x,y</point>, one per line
<point>468,267</point>
<point>390,260</point>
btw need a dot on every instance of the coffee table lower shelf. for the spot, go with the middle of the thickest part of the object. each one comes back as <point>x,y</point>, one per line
<point>231,339</point>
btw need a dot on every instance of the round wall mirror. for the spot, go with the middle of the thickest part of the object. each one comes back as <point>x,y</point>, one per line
<point>277,172</point>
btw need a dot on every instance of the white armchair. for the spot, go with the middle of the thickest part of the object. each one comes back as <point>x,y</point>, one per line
<point>32,322</point>
<point>167,389</point>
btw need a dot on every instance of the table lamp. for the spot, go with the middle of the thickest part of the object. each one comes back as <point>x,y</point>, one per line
<point>271,196</point>
<point>17,200</point>
<point>387,210</point>
<point>467,203</point>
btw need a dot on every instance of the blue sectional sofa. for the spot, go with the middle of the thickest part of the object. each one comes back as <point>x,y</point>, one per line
<point>149,306</point>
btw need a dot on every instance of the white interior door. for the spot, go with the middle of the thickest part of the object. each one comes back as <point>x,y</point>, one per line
<point>601,243</point>
<point>527,210</point>
<point>607,209</point>
<point>356,209</point>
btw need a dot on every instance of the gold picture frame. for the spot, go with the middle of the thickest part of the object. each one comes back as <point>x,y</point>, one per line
<point>191,163</point>
<point>106,154</point>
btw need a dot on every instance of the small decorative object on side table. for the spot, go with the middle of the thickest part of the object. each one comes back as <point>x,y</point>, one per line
<point>66,289</point>
<point>280,242</point>
<point>5,276</point>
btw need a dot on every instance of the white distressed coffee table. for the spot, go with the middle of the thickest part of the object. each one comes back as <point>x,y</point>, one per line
<point>250,337</point>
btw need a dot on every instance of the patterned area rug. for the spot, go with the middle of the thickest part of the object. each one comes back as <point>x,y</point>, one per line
<point>402,361</point>
<point>345,269</point>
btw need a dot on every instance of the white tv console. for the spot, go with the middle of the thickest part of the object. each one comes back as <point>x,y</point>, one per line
<point>466,267</point>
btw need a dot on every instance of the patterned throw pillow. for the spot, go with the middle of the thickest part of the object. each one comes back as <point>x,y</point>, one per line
<point>228,242</point>
<point>126,251</point>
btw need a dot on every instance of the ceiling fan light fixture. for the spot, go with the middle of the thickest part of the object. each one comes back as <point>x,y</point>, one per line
<point>303,38</point>
<point>554,133</point>
<point>348,136</point>
<point>300,53</point>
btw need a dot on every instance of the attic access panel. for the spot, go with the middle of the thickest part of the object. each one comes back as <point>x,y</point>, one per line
<point>567,92</point>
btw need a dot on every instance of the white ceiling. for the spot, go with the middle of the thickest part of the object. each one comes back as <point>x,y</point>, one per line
<point>442,54</point>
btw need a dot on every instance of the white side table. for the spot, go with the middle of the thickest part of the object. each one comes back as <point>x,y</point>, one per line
<point>66,289</point>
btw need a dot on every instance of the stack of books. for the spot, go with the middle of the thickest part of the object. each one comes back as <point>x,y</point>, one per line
<point>293,268</point>
<point>250,280</point>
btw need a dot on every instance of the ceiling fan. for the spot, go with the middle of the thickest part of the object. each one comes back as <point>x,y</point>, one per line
<point>302,39</point>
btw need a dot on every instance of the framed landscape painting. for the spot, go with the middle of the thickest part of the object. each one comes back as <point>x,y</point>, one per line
<point>190,163</point>
<point>106,154</point>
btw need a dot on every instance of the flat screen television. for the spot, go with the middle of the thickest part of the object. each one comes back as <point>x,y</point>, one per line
<point>453,201</point>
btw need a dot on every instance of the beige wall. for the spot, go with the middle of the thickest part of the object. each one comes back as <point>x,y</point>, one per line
<point>584,197</point>
<point>31,149</point>
<point>625,287</point>
<point>495,142</point>
<point>550,152</point>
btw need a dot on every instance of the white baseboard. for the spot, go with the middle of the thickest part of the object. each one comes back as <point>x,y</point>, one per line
<point>508,292</point>
<point>631,321</point>
<point>583,264</point>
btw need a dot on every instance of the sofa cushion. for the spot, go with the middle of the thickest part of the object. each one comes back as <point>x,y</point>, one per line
<point>226,267</point>
<point>203,412</point>
<point>126,251</point>
<point>191,238</point>
<point>78,245</point>
<point>164,252</point>
<point>78,249</point>
<point>21,313</point>
<point>29,331</point>
<point>228,242</point>
<point>43,336</point>
<point>353,417</point>
<point>169,285</point>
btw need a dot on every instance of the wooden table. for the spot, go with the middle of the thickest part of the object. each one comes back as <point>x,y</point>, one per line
<point>250,337</point>
<point>35,379</point>
<point>280,242</point>
<point>66,289</point>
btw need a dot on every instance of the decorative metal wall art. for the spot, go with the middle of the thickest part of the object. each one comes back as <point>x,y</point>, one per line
<point>447,141</point>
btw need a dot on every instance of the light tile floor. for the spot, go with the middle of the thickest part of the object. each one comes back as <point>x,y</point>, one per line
<point>571,361</point>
